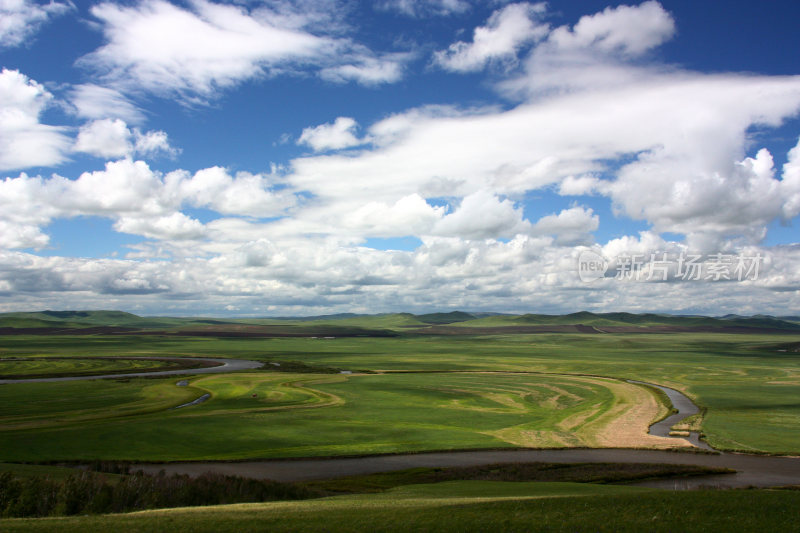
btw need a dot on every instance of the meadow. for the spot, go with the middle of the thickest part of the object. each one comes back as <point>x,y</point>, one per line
<point>430,392</point>
<point>468,506</point>
<point>45,366</point>
<point>271,414</point>
<point>340,387</point>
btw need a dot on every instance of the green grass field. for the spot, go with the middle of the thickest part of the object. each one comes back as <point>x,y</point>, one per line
<point>407,393</point>
<point>270,414</point>
<point>468,506</point>
<point>44,366</point>
<point>748,385</point>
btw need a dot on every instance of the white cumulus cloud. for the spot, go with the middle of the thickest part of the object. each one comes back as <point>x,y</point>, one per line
<point>506,31</point>
<point>25,141</point>
<point>208,46</point>
<point>630,30</point>
<point>332,136</point>
<point>176,226</point>
<point>105,138</point>
<point>241,194</point>
<point>570,226</point>
<point>483,215</point>
<point>111,138</point>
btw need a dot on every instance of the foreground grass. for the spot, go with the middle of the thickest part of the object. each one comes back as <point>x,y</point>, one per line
<point>468,506</point>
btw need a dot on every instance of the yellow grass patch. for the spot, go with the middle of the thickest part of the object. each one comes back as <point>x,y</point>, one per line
<point>626,424</point>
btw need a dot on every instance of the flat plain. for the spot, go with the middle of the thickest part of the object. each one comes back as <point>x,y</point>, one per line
<point>394,384</point>
<point>497,386</point>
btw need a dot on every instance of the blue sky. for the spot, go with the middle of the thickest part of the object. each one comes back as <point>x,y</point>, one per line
<point>297,157</point>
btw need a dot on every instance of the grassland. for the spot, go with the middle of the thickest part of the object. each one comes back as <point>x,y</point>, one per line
<point>747,384</point>
<point>44,366</point>
<point>468,506</point>
<point>274,414</point>
<point>409,390</point>
<point>30,407</point>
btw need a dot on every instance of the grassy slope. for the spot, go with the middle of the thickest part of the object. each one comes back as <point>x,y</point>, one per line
<point>468,506</point>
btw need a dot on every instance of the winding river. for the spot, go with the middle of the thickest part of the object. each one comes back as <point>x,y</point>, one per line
<point>752,470</point>
<point>683,406</point>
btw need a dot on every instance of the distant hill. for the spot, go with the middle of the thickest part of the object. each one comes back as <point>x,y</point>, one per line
<point>87,319</point>
<point>631,320</point>
<point>445,318</point>
<point>387,324</point>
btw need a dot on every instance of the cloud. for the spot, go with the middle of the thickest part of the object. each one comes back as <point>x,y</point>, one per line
<point>667,146</point>
<point>175,226</point>
<point>198,51</point>
<point>791,183</point>
<point>95,102</point>
<point>242,194</point>
<point>105,138</point>
<point>596,52</point>
<point>21,236</point>
<point>678,195</point>
<point>591,114</point>
<point>27,142</point>
<point>140,201</point>
<point>482,215</point>
<point>111,138</point>
<point>164,48</point>
<point>368,70</point>
<point>410,215</point>
<point>420,8</point>
<point>579,185</point>
<point>332,136</point>
<point>153,143</point>
<point>570,226</point>
<point>629,30</point>
<point>316,275</point>
<point>19,19</point>
<point>506,31</point>
<point>123,187</point>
